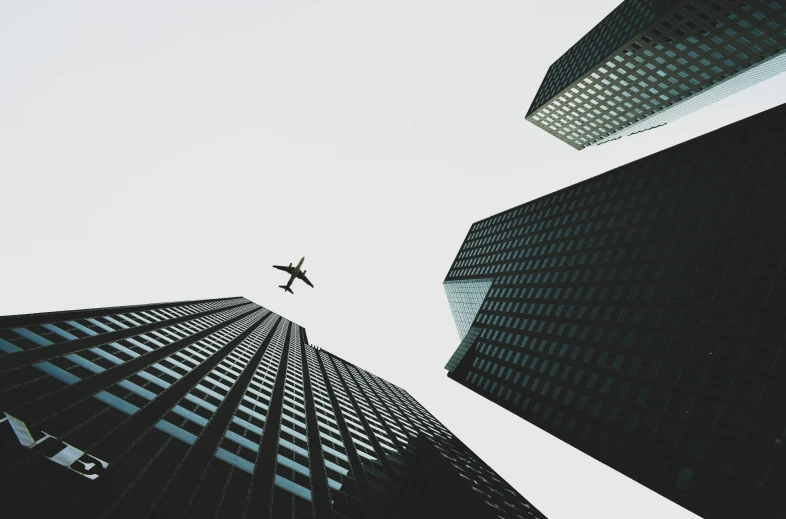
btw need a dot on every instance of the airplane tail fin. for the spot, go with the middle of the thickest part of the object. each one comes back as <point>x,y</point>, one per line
<point>286,288</point>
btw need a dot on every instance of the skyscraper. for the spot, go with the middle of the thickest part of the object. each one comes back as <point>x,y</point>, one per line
<point>217,408</point>
<point>650,62</point>
<point>639,316</point>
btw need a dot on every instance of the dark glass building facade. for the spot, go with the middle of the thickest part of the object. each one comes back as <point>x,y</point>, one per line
<point>639,316</point>
<point>650,62</point>
<point>217,408</point>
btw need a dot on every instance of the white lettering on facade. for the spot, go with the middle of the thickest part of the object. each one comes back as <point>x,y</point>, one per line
<point>67,457</point>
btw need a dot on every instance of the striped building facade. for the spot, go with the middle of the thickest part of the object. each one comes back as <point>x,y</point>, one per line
<point>217,408</point>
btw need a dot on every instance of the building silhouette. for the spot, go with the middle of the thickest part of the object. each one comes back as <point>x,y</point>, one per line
<point>650,62</point>
<point>217,408</point>
<point>639,316</point>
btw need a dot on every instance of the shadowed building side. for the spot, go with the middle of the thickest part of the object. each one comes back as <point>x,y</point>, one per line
<point>638,316</point>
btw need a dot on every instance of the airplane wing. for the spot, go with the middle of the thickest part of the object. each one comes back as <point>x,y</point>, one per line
<point>288,270</point>
<point>303,277</point>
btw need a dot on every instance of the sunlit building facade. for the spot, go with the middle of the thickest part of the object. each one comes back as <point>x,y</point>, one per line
<point>639,316</point>
<point>650,62</point>
<point>217,408</point>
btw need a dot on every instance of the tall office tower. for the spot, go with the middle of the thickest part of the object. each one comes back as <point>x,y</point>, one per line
<point>650,62</point>
<point>639,316</point>
<point>217,408</point>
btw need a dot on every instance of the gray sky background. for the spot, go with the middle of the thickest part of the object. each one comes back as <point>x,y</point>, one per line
<point>165,151</point>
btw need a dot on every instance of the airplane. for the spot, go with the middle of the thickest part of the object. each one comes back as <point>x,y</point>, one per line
<point>295,272</point>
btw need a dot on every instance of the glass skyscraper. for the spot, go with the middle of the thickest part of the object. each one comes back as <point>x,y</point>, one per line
<point>218,408</point>
<point>639,316</point>
<point>650,62</point>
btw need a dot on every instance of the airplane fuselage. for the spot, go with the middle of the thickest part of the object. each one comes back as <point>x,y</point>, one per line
<point>297,271</point>
<point>294,273</point>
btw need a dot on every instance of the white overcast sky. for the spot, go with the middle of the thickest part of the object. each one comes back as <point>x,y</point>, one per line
<point>158,151</point>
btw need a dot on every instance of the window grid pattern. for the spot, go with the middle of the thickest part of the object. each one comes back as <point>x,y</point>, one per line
<point>373,470</point>
<point>623,23</point>
<point>342,486</point>
<point>465,297</point>
<point>172,445</point>
<point>633,315</point>
<point>293,467</point>
<point>693,47</point>
<point>419,422</point>
<point>185,420</point>
<point>242,438</point>
<point>408,421</point>
<point>375,414</point>
<point>75,367</point>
